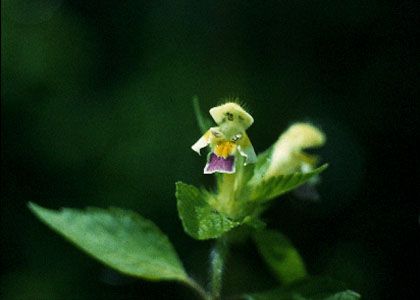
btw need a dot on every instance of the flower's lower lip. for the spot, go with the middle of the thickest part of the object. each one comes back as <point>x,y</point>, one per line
<point>220,164</point>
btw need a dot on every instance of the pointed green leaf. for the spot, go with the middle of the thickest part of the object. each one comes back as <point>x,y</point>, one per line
<point>275,186</point>
<point>119,238</point>
<point>280,255</point>
<point>200,220</point>
<point>204,123</point>
<point>311,289</point>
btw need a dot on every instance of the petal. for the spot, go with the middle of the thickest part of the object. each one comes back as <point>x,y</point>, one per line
<point>288,156</point>
<point>216,133</point>
<point>225,149</point>
<point>246,149</point>
<point>202,142</point>
<point>220,164</point>
<point>249,154</point>
<point>302,135</point>
<point>237,113</point>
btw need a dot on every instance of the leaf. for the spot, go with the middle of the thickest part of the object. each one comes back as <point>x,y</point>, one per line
<point>262,165</point>
<point>200,220</point>
<point>254,222</point>
<point>119,238</point>
<point>312,289</point>
<point>280,255</point>
<point>204,123</point>
<point>278,185</point>
<point>345,295</point>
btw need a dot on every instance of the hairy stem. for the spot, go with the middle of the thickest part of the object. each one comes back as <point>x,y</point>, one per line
<point>217,259</point>
<point>228,187</point>
<point>227,193</point>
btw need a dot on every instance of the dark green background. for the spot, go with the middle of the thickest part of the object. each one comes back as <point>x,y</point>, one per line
<point>96,111</point>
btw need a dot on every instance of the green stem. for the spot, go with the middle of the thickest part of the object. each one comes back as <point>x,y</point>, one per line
<point>197,288</point>
<point>217,260</point>
<point>228,186</point>
<point>227,193</point>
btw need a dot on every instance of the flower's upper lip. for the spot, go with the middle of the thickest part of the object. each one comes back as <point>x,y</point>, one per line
<point>218,114</point>
<point>295,148</point>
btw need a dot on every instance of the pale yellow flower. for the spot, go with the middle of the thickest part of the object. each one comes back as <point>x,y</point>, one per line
<point>288,154</point>
<point>227,139</point>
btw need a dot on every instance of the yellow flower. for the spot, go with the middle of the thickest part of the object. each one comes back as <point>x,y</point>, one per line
<point>288,154</point>
<point>227,139</point>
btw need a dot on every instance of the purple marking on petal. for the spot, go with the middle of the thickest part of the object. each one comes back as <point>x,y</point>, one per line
<point>220,164</point>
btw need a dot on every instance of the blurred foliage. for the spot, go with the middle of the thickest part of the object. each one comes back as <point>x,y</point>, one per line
<point>119,238</point>
<point>280,255</point>
<point>96,111</point>
<point>311,289</point>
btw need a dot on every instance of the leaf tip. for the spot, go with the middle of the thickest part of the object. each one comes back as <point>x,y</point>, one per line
<point>178,186</point>
<point>321,168</point>
<point>34,208</point>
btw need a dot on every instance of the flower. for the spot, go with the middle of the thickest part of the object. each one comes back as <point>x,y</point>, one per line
<point>288,154</point>
<point>227,139</point>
